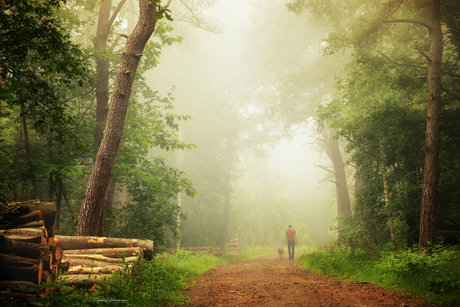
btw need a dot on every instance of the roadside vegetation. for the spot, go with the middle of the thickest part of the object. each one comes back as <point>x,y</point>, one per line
<point>435,276</point>
<point>147,283</point>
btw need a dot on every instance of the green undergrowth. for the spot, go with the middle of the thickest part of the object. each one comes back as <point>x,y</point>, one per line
<point>159,282</point>
<point>435,277</point>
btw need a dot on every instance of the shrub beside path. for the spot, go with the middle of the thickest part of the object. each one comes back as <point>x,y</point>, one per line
<point>269,281</point>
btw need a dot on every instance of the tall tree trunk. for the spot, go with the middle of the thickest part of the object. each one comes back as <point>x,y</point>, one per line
<point>28,154</point>
<point>100,176</point>
<point>102,68</point>
<point>104,24</point>
<point>431,172</point>
<point>335,155</point>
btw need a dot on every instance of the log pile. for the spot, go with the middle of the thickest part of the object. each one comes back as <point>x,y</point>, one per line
<point>25,255</point>
<point>30,253</point>
<point>235,245</point>
<point>89,259</point>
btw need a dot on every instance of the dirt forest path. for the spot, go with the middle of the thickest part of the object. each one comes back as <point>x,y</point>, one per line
<point>268,281</point>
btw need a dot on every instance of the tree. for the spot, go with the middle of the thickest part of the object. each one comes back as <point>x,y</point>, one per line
<point>428,226</point>
<point>40,68</point>
<point>378,19</point>
<point>102,169</point>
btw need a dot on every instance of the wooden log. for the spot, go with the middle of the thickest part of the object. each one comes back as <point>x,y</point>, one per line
<point>17,260</point>
<point>116,252</point>
<point>90,269</point>
<point>4,209</point>
<point>32,235</point>
<point>20,268</point>
<point>25,249</point>
<point>100,258</point>
<point>34,224</point>
<point>57,252</point>
<point>82,279</point>
<point>71,242</point>
<point>15,220</point>
<point>48,210</point>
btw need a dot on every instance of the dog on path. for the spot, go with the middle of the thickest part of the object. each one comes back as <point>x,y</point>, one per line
<point>280,252</point>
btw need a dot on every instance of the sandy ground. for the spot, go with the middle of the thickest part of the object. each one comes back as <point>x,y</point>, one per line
<point>269,281</point>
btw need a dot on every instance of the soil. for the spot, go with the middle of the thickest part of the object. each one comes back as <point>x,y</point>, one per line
<point>270,281</point>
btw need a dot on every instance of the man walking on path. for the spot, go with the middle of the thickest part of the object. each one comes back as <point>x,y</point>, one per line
<point>291,239</point>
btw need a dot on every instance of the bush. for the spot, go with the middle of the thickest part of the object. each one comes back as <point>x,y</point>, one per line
<point>435,275</point>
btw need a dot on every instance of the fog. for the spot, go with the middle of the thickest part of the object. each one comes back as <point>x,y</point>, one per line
<point>241,67</point>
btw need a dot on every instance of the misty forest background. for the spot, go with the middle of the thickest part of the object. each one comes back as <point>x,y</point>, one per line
<point>244,117</point>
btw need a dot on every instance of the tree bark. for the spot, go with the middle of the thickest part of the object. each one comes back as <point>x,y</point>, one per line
<point>25,249</point>
<point>102,68</point>
<point>431,171</point>
<point>88,223</point>
<point>115,252</point>
<point>107,210</point>
<point>15,221</point>
<point>70,242</point>
<point>343,205</point>
<point>97,259</point>
<point>20,268</point>
<point>25,234</point>
<point>84,279</point>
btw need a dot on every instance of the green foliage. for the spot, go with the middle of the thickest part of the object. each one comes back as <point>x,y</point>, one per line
<point>434,275</point>
<point>40,66</point>
<point>382,114</point>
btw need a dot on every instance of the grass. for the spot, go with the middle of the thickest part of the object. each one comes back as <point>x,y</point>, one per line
<point>159,282</point>
<point>435,276</point>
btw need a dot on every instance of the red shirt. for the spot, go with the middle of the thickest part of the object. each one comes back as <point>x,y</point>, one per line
<point>290,233</point>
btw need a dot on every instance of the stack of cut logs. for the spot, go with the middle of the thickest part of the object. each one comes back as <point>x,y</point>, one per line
<point>25,255</point>
<point>89,259</point>
<point>235,247</point>
<point>30,253</point>
<point>204,249</point>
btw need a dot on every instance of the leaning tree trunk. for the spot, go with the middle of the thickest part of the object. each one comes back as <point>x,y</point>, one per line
<point>100,176</point>
<point>431,172</point>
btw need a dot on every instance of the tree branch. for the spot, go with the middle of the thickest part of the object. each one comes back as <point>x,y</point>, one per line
<point>417,22</point>
<point>401,2</point>
<point>167,5</point>
<point>324,168</point>
<point>115,13</point>
<point>398,64</point>
<point>422,53</point>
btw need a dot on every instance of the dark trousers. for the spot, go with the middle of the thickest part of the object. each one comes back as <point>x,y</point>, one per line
<point>291,246</point>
